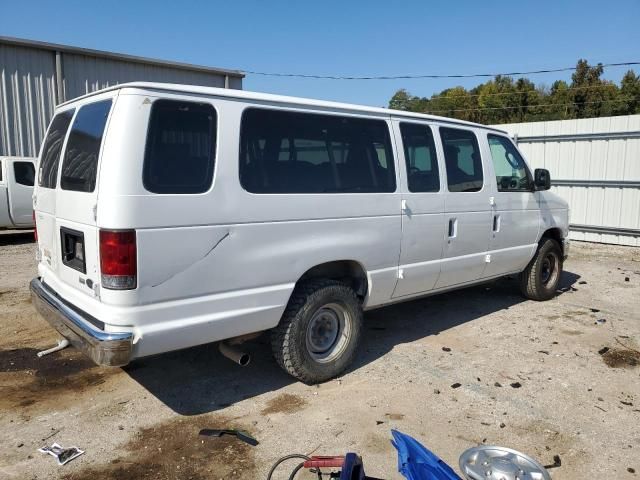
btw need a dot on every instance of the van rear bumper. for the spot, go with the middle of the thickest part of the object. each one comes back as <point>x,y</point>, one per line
<point>104,348</point>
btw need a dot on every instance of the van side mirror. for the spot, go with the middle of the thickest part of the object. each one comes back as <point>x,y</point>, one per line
<point>541,179</point>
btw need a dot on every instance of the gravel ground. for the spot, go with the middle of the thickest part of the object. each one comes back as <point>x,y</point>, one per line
<point>475,366</point>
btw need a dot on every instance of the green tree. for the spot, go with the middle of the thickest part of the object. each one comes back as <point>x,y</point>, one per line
<point>503,99</point>
<point>630,89</point>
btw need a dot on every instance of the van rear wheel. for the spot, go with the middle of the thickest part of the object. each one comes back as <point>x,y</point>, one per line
<point>320,330</point>
<point>539,281</point>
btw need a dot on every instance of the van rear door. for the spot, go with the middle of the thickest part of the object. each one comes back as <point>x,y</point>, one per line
<point>76,198</point>
<point>73,235</point>
<point>45,190</point>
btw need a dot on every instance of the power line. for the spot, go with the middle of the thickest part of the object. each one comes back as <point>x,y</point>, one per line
<point>541,105</point>
<point>404,77</point>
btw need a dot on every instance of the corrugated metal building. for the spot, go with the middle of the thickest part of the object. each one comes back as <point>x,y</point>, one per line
<point>595,165</point>
<point>36,76</point>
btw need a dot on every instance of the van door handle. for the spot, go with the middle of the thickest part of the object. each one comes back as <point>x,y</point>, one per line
<point>496,223</point>
<point>453,227</point>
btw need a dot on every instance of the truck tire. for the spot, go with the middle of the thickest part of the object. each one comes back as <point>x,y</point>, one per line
<point>320,330</point>
<point>539,281</point>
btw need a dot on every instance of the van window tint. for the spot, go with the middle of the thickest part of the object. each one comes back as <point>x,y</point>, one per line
<point>181,144</point>
<point>24,173</point>
<point>462,159</point>
<point>83,147</point>
<point>48,171</point>
<point>291,152</point>
<point>511,171</point>
<point>420,157</point>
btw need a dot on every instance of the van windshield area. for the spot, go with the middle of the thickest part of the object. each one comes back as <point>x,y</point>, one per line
<point>292,152</point>
<point>80,164</point>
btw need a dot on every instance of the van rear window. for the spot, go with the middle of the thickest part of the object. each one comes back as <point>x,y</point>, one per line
<point>292,152</point>
<point>48,172</point>
<point>181,145</point>
<point>83,147</point>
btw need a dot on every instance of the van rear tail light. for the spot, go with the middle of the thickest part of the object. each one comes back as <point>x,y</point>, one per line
<point>118,263</point>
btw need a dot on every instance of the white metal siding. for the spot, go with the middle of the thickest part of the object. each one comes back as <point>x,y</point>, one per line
<point>27,99</point>
<point>609,157</point>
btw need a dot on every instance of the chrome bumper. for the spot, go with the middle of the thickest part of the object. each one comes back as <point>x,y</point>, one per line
<point>104,348</point>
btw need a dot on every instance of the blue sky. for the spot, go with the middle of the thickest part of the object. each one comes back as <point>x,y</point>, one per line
<point>345,38</point>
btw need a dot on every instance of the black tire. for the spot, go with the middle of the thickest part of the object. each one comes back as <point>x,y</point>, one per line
<point>539,281</point>
<point>312,306</point>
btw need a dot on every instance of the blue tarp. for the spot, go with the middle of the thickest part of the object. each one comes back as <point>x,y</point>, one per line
<point>415,462</point>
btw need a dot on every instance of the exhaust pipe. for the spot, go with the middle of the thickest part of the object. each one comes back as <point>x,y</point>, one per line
<point>235,355</point>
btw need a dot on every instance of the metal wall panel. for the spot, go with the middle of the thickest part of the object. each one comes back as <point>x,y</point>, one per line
<point>84,74</point>
<point>29,83</point>
<point>27,99</point>
<point>595,166</point>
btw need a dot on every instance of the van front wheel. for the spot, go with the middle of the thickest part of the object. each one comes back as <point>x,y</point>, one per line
<point>320,330</point>
<point>539,281</point>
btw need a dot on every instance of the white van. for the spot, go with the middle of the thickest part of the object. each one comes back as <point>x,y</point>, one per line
<point>17,176</point>
<point>170,216</point>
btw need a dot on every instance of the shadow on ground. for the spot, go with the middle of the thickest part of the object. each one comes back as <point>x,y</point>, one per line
<point>13,237</point>
<point>200,380</point>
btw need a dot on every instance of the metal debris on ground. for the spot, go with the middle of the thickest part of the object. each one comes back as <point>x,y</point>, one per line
<point>516,385</point>
<point>600,321</point>
<point>240,434</point>
<point>63,455</point>
<point>556,462</point>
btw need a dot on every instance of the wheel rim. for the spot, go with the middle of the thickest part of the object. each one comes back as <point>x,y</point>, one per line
<point>328,332</point>
<point>549,269</point>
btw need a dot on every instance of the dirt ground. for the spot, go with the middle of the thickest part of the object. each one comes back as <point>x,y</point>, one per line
<point>476,366</point>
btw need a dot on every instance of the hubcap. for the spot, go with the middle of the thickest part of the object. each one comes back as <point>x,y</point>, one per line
<point>328,332</point>
<point>549,270</point>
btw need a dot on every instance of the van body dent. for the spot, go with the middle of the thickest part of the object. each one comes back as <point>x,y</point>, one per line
<point>170,216</point>
<point>16,191</point>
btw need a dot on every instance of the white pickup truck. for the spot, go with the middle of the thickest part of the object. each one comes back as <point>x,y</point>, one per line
<point>16,190</point>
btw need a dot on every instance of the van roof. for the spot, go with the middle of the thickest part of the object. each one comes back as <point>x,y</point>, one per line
<point>268,97</point>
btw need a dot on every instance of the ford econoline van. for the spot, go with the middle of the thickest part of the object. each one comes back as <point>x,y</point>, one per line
<point>170,216</point>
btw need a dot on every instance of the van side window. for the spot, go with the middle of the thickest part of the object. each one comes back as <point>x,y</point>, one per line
<point>292,152</point>
<point>181,146</point>
<point>24,173</point>
<point>52,148</point>
<point>510,168</point>
<point>420,157</point>
<point>80,164</point>
<point>462,159</point>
